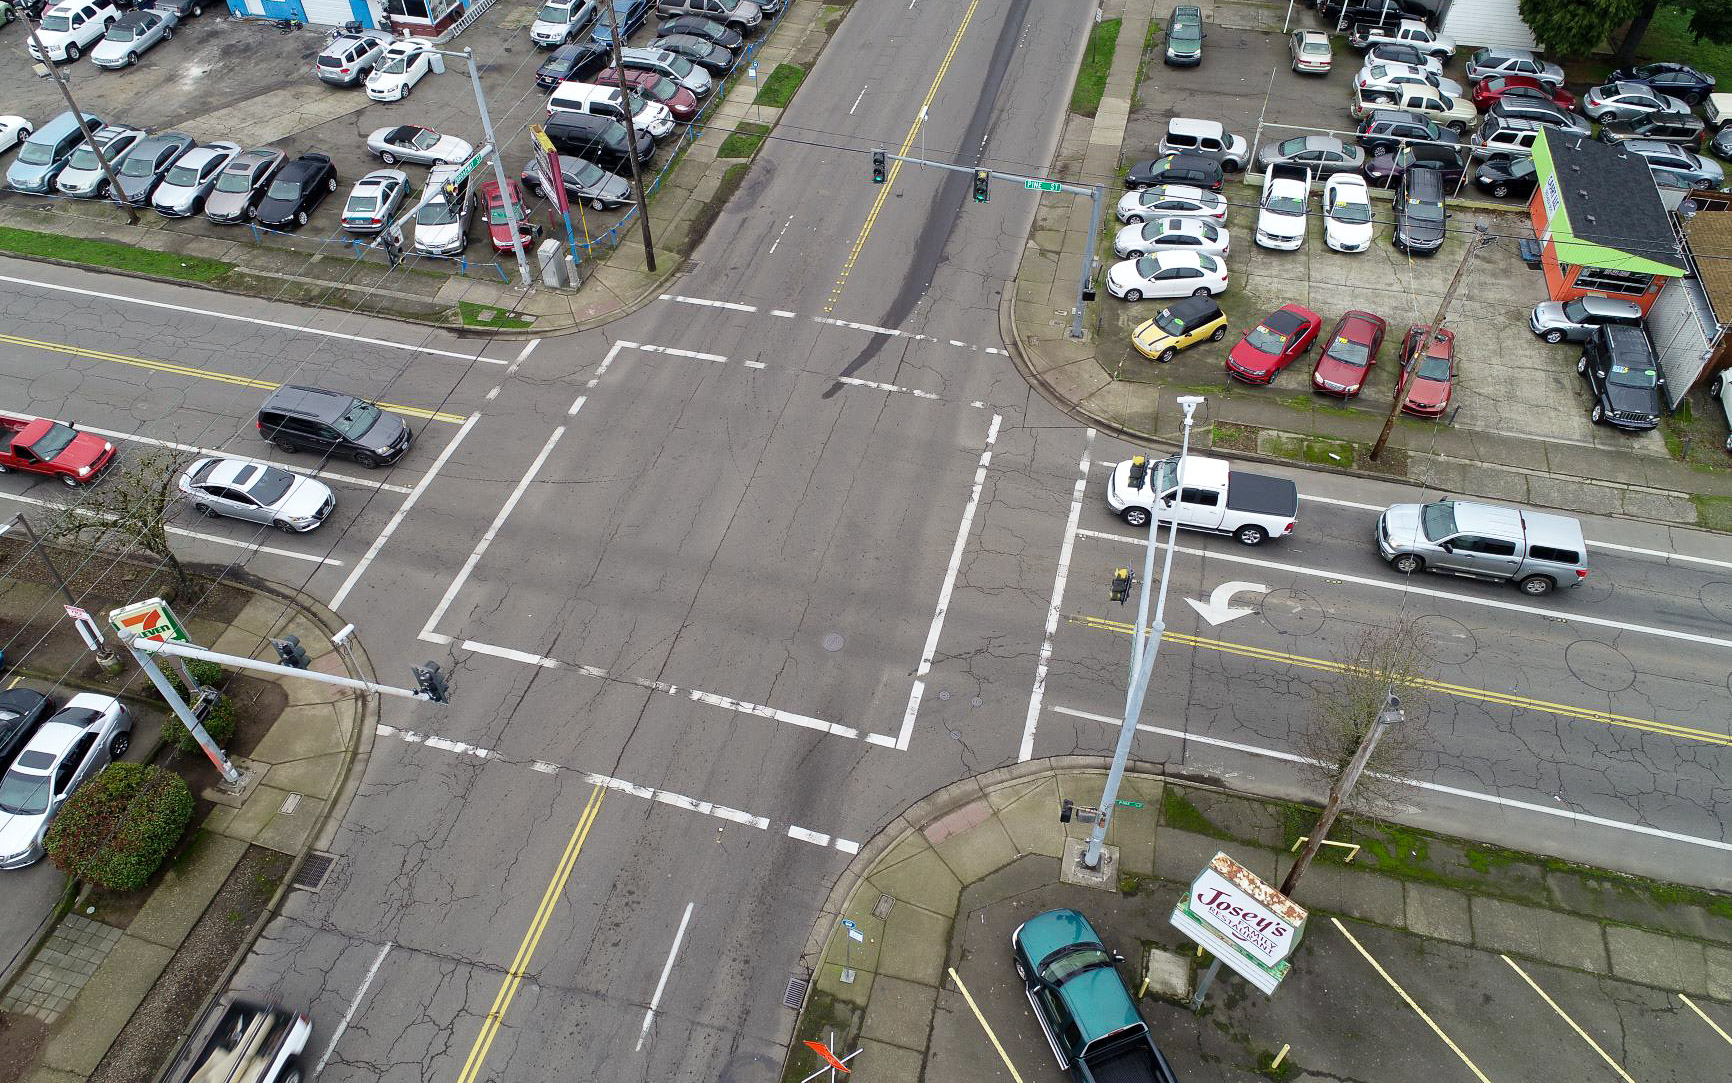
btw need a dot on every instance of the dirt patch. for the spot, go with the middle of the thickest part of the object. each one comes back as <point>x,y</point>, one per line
<point>21,1038</point>
<point>154,1030</point>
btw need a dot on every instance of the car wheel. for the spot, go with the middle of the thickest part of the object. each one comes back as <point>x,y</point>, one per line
<point>197,10</point>
<point>1251,534</point>
<point>1134,516</point>
<point>69,481</point>
<point>285,526</point>
<point>4,469</point>
<point>1729,443</point>
<point>1597,414</point>
<point>387,157</point>
<point>1202,291</point>
<point>1582,365</point>
<point>598,204</point>
<point>301,218</point>
<point>1133,295</point>
<point>286,444</point>
<point>1458,127</point>
<point>72,53</point>
<point>365,460</point>
<point>167,32</point>
<point>1500,190</point>
<point>1021,972</point>
<point>1134,219</point>
<point>1135,254</point>
<point>1536,585</point>
<point>1167,355</point>
<point>206,510</point>
<point>331,183</point>
<point>1220,333</point>
<point>1408,564</point>
<point>118,744</point>
<point>291,1072</point>
<point>1553,336</point>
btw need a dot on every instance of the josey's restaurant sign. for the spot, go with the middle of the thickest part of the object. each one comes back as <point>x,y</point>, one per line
<point>1243,921</point>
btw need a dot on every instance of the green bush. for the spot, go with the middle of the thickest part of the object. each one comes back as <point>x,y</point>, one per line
<point>219,723</point>
<point>116,829</point>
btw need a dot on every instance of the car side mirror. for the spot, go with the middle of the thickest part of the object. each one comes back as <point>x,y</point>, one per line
<point>1117,958</point>
<point>1446,547</point>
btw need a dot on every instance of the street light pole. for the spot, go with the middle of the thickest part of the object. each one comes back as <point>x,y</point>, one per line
<point>1145,640</point>
<point>511,208</point>
<point>83,125</point>
<point>649,251</point>
<point>1388,715</point>
<point>104,657</point>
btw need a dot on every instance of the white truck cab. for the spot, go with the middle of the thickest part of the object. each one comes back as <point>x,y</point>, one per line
<point>1210,496</point>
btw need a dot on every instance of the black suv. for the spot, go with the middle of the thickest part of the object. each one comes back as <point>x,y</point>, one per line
<point>333,423</point>
<point>578,60</point>
<point>1624,378</point>
<point>1386,129</point>
<point>1419,213</point>
<point>601,140</point>
<point>1198,170</point>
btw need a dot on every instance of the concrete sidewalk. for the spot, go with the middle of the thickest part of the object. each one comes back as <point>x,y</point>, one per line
<point>993,843</point>
<point>1035,318</point>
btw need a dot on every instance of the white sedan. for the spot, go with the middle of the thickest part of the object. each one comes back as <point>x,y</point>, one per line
<point>400,67</point>
<point>1167,274</point>
<point>1171,200</point>
<point>1172,235</point>
<point>417,145</point>
<point>81,739</point>
<point>1347,213</point>
<point>13,131</point>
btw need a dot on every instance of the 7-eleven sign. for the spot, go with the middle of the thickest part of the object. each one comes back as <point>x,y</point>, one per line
<point>148,620</point>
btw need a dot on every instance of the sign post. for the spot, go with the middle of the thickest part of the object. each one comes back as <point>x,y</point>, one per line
<point>154,620</point>
<point>550,170</point>
<point>1043,186</point>
<point>1242,922</point>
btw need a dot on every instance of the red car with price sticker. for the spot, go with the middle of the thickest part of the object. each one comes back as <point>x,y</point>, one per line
<point>1430,377</point>
<point>1350,353</point>
<point>1273,344</point>
<point>38,445</point>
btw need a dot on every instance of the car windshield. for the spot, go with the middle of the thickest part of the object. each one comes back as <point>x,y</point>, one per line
<point>272,486</point>
<point>438,213</point>
<point>285,188</point>
<point>1315,48</point>
<point>1575,311</point>
<point>1291,146</point>
<point>51,443</point>
<point>1437,520</point>
<point>360,417</point>
<point>578,171</point>
<point>1349,352</point>
<point>120,33</point>
<point>35,153</point>
<point>183,175</point>
<point>57,22</point>
<point>1352,213</point>
<point>659,89</point>
<point>1625,376</point>
<point>235,181</point>
<point>138,165</point>
<point>425,139</point>
<point>1432,367</point>
<point>397,65</point>
<point>1424,212</point>
<point>554,13</point>
<point>1286,205</point>
<point>1187,32</point>
<point>22,794</point>
<point>1074,960</point>
<point>1171,324</point>
<point>1265,339</point>
<point>83,158</point>
<point>680,65</point>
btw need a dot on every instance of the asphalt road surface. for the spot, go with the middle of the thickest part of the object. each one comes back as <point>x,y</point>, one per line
<point>723,586</point>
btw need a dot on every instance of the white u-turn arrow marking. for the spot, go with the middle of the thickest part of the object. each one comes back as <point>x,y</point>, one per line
<point>1217,610</point>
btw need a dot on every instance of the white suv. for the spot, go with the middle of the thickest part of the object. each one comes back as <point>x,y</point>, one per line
<point>67,29</point>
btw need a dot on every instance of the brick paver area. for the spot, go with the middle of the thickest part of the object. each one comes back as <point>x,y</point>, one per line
<point>71,954</point>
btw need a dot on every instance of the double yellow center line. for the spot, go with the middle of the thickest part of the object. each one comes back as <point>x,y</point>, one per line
<point>1482,695</point>
<point>526,950</point>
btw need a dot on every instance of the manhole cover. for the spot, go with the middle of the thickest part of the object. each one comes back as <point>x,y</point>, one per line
<point>956,735</point>
<point>945,695</point>
<point>833,642</point>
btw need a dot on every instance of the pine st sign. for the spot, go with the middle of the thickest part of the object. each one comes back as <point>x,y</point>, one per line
<point>1242,921</point>
<point>148,620</point>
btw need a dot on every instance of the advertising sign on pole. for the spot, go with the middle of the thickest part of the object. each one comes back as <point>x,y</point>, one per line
<point>1242,921</point>
<point>151,619</point>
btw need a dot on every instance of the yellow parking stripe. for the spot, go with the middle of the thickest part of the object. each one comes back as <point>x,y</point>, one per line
<point>1482,695</point>
<point>532,937</point>
<point>1402,993</point>
<point>1704,1016</point>
<point>1595,1046</point>
<point>203,374</point>
<point>984,1025</point>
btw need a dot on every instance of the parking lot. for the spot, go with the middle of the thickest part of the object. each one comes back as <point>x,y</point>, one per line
<point>248,82</point>
<point>1509,381</point>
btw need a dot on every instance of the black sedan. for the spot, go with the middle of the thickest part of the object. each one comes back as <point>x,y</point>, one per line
<point>21,711</point>
<point>705,54</point>
<point>1197,170</point>
<point>1385,170</point>
<point>298,188</point>
<point>579,60</point>
<point>1506,177</point>
<point>1679,80</point>
<point>699,27</point>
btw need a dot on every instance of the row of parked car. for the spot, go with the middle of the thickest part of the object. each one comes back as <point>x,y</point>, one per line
<point>112,38</point>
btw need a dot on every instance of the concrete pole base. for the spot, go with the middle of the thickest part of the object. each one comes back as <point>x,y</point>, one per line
<point>234,794</point>
<point>1073,871</point>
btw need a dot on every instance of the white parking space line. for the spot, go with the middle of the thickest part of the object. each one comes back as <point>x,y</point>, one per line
<point>732,306</point>
<point>343,1023</point>
<point>1434,787</point>
<point>254,320</point>
<point>402,513</point>
<point>1055,606</point>
<point>251,547</point>
<point>943,608</point>
<point>662,983</point>
<point>348,479</point>
<point>1428,592</point>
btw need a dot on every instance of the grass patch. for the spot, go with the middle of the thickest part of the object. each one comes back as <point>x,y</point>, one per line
<point>1713,512</point>
<point>1311,449</point>
<point>475,315</point>
<point>1178,812</point>
<point>743,143</point>
<point>1091,79</point>
<point>833,15</point>
<point>778,90</point>
<point>121,257</point>
<point>1234,437</point>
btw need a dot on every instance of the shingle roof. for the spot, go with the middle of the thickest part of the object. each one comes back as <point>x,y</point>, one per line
<point>1612,200</point>
<point>1710,237</point>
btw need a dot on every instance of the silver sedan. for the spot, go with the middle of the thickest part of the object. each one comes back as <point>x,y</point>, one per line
<point>130,35</point>
<point>1323,155</point>
<point>416,145</point>
<point>183,191</point>
<point>256,492</point>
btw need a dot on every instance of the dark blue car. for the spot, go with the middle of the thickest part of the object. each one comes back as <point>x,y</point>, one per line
<point>1679,80</point>
<point>630,14</point>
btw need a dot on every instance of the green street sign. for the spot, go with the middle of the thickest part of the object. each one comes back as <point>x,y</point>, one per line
<point>1043,186</point>
<point>1129,804</point>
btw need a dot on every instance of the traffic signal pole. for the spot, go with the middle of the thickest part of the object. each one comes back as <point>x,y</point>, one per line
<point>143,648</point>
<point>1033,184</point>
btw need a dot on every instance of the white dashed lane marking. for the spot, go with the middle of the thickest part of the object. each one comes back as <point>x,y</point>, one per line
<point>869,328</point>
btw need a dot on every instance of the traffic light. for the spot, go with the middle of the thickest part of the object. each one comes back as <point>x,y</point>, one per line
<point>291,653</point>
<point>980,176</point>
<point>431,682</point>
<point>877,167</point>
<point>1139,471</point>
<point>1122,580</point>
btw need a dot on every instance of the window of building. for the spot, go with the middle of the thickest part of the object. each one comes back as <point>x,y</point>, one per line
<point>1631,283</point>
<point>408,9</point>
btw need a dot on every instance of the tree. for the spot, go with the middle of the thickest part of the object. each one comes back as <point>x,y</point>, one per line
<point>1365,733</point>
<point>1633,36</point>
<point>1711,20</point>
<point>1576,27</point>
<point>129,508</point>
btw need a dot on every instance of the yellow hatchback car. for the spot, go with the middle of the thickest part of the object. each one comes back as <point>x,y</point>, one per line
<point>1179,326</point>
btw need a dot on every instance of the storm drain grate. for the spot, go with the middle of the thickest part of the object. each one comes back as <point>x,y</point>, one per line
<point>312,873</point>
<point>796,994</point>
<point>882,910</point>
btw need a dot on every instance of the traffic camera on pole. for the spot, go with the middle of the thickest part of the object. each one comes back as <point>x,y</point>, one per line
<point>980,178</point>
<point>1122,580</point>
<point>878,167</point>
<point>291,653</point>
<point>431,682</point>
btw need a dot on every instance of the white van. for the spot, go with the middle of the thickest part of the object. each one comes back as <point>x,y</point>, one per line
<point>650,118</point>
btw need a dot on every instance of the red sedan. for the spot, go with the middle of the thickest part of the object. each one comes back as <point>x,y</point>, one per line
<point>1351,352</point>
<point>499,222</point>
<point>682,103</point>
<point>1431,377</point>
<point>1487,91</point>
<point>1272,345</point>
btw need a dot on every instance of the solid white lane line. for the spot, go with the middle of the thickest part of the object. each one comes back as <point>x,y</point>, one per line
<point>493,530</point>
<point>402,513</point>
<point>673,352</point>
<point>416,737</point>
<point>511,655</point>
<point>254,320</point>
<point>707,303</point>
<point>251,547</point>
<point>872,327</point>
<point>1053,610</point>
<point>1429,592</point>
<point>332,475</point>
<point>662,984</point>
<point>858,99</point>
<point>943,607</point>
<point>1434,787</point>
<point>343,1023</point>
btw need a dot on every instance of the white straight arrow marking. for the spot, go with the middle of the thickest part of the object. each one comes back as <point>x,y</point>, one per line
<point>1218,610</point>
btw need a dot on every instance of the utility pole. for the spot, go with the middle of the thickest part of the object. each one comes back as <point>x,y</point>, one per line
<point>1145,640</point>
<point>649,251</point>
<point>104,657</point>
<point>1390,714</point>
<point>1482,237</point>
<point>512,210</point>
<point>83,125</point>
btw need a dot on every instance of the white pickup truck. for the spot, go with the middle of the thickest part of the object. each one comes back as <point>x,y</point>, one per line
<point>1214,496</point>
<point>1407,32</point>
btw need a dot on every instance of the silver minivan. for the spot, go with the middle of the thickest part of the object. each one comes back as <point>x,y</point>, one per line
<point>1575,320</point>
<point>1534,549</point>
